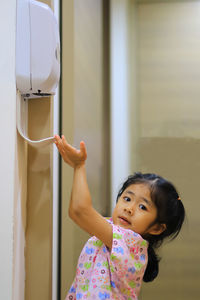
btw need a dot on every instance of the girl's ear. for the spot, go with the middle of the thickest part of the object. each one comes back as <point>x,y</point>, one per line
<point>157,229</point>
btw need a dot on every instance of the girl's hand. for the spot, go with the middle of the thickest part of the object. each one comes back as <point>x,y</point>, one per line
<point>73,157</point>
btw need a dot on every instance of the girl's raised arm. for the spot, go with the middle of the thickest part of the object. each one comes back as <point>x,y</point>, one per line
<point>81,210</point>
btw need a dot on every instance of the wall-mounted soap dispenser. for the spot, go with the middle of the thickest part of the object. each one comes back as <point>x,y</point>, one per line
<point>37,56</point>
<point>37,49</point>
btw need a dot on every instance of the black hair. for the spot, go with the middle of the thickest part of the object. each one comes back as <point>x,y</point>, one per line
<point>170,211</point>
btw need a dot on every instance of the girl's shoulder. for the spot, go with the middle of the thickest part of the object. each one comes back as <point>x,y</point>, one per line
<point>128,235</point>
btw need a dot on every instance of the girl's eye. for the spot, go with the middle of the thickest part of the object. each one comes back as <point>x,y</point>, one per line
<point>143,207</point>
<point>127,199</point>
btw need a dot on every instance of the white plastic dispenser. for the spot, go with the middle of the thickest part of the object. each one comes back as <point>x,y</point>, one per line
<point>37,57</point>
<point>37,49</point>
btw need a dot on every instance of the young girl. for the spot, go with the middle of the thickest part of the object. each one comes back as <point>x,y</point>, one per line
<point>120,253</point>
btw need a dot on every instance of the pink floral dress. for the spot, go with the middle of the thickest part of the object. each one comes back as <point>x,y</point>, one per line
<point>116,274</point>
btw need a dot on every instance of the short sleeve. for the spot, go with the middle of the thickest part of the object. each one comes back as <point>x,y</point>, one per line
<point>128,255</point>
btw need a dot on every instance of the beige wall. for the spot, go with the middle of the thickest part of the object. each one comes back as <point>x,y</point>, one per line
<point>169,36</point>
<point>20,214</point>
<point>177,160</point>
<point>169,92</point>
<point>67,90</point>
<point>39,205</point>
<point>38,251</point>
<point>85,116</point>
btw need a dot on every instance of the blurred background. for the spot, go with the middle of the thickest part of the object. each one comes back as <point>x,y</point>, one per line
<point>134,97</point>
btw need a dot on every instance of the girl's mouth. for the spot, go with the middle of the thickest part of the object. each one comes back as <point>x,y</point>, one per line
<point>124,221</point>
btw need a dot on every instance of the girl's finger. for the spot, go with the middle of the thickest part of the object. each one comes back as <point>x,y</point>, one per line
<point>64,140</point>
<point>66,145</point>
<point>83,149</point>
<point>60,148</point>
<point>56,137</point>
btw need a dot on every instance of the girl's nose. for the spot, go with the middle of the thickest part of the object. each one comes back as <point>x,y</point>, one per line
<point>129,210</point>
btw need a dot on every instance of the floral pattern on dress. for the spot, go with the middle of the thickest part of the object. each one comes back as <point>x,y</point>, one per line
<point>116,274</point>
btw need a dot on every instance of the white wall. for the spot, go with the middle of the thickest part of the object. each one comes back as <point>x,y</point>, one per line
<point>119,78</point>
<point>7,149</point>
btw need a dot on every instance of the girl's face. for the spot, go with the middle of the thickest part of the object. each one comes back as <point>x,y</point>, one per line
<point>136,211</point>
